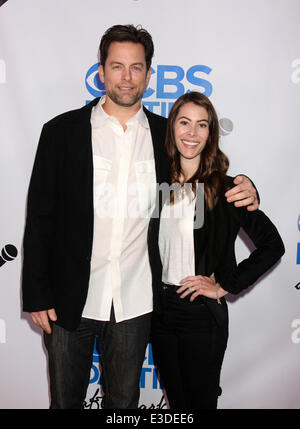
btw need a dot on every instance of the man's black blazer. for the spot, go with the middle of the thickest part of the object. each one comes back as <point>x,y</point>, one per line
<point>58,234</point>
<point>214,246</point>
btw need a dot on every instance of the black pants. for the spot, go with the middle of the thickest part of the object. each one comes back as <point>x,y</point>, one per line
<point>188,348</point>
<point>122,346</point>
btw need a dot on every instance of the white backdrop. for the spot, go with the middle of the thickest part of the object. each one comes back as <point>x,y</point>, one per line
<point>245,55</point>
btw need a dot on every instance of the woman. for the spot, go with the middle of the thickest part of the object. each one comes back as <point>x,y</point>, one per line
<point>195,267</point>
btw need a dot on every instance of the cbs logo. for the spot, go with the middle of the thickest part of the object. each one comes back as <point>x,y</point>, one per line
<point>167,81</point>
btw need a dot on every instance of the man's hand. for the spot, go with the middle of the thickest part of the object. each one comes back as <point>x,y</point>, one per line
<point>243,194</point>
<point>41,319</point>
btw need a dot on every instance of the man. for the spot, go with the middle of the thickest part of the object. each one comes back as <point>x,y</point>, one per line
<point>86,272</point>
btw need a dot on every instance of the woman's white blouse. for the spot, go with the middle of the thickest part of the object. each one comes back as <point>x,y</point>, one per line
<point>176,239</point>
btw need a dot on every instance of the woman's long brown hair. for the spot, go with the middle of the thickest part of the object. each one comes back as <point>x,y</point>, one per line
<point>213,164</point>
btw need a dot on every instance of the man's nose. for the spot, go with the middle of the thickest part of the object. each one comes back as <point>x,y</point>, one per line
<point>126,73</point>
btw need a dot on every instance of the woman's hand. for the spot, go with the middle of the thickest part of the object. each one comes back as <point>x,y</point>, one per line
<point>200,285</point>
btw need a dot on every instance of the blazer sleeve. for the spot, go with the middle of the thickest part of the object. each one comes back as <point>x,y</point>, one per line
<point>39,227</point>
<point>269,249</point>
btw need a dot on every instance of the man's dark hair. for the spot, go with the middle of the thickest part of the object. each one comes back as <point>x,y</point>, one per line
<point>127,33</point>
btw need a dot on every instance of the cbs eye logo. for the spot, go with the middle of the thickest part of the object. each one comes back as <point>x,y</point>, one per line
<point>93,83</point>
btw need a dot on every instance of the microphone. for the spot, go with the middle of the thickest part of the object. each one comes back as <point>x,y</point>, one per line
<point>8,253</point>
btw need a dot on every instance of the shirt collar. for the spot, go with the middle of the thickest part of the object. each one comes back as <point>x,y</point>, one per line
<point>99,116</point>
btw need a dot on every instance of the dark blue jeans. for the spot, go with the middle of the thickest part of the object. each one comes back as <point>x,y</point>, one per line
<point>188,348</point>
<point>122,348</point>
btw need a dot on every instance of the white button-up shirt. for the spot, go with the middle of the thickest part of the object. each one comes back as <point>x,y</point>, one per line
<point>124,198</point>
<point>176,239</point>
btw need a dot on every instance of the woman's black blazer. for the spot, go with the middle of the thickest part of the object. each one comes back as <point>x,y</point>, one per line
<point>214,245</point>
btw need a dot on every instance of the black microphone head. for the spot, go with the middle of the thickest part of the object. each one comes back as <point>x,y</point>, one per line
<point>9,252</point>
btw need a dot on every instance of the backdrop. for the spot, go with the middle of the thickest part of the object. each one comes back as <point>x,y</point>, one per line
<point>245,56</point>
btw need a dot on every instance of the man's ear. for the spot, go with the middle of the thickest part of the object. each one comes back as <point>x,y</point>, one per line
<point>101,73</point>
<point>148,76</point>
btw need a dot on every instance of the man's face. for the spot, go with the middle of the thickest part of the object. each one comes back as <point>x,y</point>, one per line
<point>125,74</point>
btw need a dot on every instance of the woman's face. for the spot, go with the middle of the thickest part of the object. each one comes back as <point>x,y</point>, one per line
<point>191,130</point>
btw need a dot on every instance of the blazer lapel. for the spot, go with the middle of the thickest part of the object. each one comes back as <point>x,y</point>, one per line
<point>158,133</point>
<point>80,146</point>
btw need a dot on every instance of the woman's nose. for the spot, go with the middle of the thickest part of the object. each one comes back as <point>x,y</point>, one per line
<point>192,130</point>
